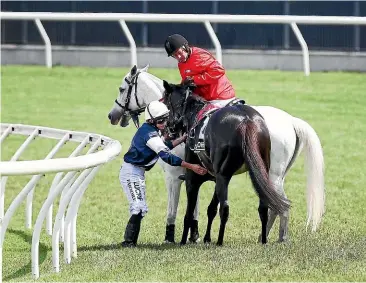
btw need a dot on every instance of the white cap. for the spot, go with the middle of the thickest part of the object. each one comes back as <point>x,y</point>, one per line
<point>155,109</point>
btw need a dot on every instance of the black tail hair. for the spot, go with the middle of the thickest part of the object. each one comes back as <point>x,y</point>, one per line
<point>257,169</point>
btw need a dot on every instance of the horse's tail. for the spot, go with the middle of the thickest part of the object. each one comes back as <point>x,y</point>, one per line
<point>314,164</point>
<point>258,171</point>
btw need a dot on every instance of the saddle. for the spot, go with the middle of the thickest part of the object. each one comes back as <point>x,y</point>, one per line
<point>197,132</point>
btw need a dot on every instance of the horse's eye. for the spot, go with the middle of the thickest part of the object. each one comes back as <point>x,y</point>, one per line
<point>121,89</point>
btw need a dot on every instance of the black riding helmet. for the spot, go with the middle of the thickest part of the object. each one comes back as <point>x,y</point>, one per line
<point>174,42</point>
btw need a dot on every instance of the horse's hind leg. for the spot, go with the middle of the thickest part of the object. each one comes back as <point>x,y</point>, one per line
<point>211,213</point>
<point>221,191</point>
<point>284,219</point>
<point>271,219</point>
<point>278,182</point>
<point>283,155</point>
<point>263,215</point>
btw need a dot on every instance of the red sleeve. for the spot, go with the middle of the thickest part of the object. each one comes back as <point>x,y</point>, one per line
<point>210,70</point>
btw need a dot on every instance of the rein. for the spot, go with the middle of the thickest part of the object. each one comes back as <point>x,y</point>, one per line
<point>183,117</point>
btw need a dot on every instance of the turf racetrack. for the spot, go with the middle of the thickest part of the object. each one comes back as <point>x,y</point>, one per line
<point>80,98</point>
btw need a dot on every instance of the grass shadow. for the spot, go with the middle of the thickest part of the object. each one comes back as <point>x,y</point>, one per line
<point>28,267</point>
<point>117,246</point>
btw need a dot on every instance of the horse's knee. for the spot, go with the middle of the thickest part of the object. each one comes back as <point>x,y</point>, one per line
<point>224,211</point>
<point>211,211</point>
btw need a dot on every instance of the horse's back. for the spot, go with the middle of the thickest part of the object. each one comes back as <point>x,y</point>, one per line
<point>223,124</point>
<point>235,114</point>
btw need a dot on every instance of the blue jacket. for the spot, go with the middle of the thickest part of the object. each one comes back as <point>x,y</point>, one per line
<point>147,146</point>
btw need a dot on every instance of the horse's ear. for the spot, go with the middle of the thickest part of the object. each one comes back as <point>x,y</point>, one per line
<point>145,68</point>
<point>167,87</point>
<point>133,70</point>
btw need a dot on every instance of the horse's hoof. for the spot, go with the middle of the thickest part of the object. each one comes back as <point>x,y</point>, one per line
<point>195,236</point>
<point>194,241</point>
<point>207,240</point>
<point>183,243</point>
<point>219,244</point>
<point>128,244</point>
<point>259,239</point>
<point>168,242</point>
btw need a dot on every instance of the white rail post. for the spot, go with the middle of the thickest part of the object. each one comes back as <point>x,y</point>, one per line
<point>5,133</point>
<point>131,41</point>
<point>70,219</point>
<point>39,222</point>
<point>215,41</point>
<point>304,47</point>
<point>46,41</point>
<point>36,178</point>
<point>55,182</point>
<point>14,158</point>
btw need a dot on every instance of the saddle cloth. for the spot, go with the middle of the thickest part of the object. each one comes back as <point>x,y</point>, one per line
<point>197,132</point>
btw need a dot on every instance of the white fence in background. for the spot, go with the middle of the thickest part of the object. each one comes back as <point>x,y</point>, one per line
<point>71,186</point>
<point>206,19</point>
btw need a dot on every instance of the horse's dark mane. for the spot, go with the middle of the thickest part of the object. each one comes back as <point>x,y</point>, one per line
<point>194,103</point>
<point>198,98</point>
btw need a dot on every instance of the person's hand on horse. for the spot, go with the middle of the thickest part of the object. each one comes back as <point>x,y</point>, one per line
<point>188,81</point>
<point>184,137</point>
<point>198,169</point>
<point>179,140</point>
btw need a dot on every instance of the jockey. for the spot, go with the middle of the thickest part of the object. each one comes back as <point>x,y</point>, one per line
<point>146,148</point>
<point>199,67</point>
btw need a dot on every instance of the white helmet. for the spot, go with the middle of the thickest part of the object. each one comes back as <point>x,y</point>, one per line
<point>155,110</point>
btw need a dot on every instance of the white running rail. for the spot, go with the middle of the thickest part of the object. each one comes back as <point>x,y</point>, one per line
<point>206,19</point>
<point>80,172</point>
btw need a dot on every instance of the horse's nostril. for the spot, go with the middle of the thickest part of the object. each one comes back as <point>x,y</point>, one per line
<point>109,116</point>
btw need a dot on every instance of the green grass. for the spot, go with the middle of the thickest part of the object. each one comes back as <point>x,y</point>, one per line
<point>80,99</point>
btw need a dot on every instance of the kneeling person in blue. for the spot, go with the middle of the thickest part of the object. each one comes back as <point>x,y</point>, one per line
<point>146,148</point>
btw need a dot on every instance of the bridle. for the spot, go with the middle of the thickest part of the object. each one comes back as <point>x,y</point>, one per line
<point>182,104</point>
<point>134,113</point>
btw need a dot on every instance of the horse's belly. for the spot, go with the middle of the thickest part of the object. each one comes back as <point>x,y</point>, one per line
<point>241,170</point>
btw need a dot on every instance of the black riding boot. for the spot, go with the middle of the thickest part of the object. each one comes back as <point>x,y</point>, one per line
<point>169,233</point>
<point>132,231</point>
<point>194,232</point>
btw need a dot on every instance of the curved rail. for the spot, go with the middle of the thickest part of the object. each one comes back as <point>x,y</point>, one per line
<point>81,171</point>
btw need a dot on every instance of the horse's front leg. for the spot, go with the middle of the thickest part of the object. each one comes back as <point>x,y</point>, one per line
<point>193,183</point>
<point>221,189</point>
<point>211,214</point>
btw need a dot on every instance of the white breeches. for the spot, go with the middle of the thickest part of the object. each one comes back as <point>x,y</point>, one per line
<point>132,179</point>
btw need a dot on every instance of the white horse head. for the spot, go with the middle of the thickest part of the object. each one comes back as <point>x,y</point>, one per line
<point>138,89</point>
